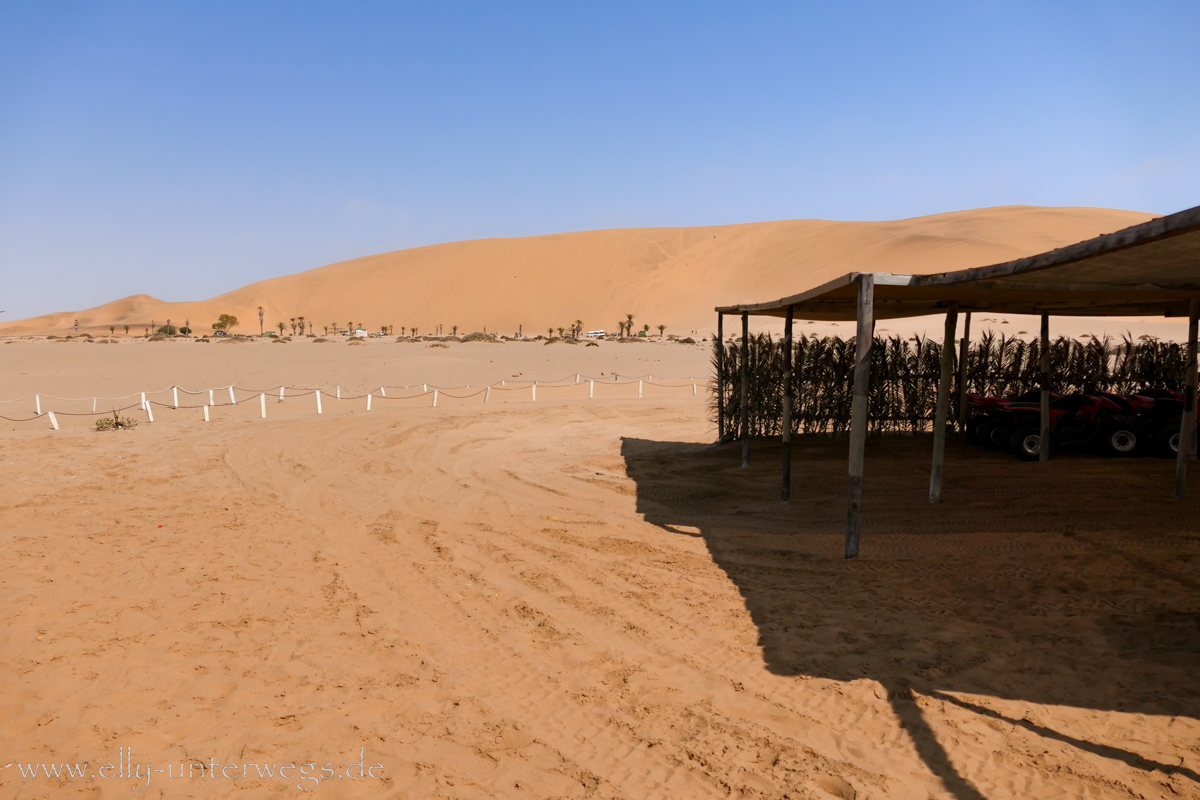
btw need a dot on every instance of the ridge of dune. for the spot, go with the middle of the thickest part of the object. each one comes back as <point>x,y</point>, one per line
<point>669,276</point>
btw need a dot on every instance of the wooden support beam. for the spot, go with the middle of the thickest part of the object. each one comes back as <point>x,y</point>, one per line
<point>964,356</point>
<point>1044,367</point>
<point>943,407</point>
<point>720,377</point>
<point>745,390</point>
<point>1187,424</point>
<point>858,409</point>
<point>786,493</point>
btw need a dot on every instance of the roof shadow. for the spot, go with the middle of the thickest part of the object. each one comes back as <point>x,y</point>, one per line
<point>1071,583</point>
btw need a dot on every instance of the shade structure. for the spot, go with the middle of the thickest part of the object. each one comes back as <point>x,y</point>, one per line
<point>1151,269</point>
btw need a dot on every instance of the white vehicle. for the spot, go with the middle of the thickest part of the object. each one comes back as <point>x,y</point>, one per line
<point>359,333</point>
<point>595,334</point>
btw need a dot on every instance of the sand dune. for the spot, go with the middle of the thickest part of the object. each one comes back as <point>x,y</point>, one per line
<point>668,276</point>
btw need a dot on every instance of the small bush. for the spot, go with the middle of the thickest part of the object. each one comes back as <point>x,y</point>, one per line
<point>443,346</point>
<point>282,341</point>
<point>320,339</point>
<point>356,341</point>
<point>688,340</point>
<point>593,344</point>
<point>115,423</point>
<point>205,340</point>
<point>481,337</point>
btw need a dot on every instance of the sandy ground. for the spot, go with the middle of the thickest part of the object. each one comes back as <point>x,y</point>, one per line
<point>573,599</point>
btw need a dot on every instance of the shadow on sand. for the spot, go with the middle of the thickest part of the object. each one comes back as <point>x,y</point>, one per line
<point>1072,583</point>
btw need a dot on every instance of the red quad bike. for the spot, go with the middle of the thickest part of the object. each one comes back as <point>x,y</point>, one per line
<point>990,422</point>
<point>1160,411</point>
<point>1107,422</point>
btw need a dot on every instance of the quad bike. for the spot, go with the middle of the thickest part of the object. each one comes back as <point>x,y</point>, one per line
<point>988,417</point>
<point>1108,423</point>
<point>1161,411</point>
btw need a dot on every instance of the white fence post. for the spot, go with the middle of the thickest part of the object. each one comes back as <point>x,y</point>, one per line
<point>435,398</point>
<point>318,394</point>
<point>591,389</point>
<point>53,421</point>
<point>383,391</point>
<point>281,394</point>
<point>206,413</point>
<point>175,396</point>
<point>534,388</point>
<point>232,397</point>
<point>639,390</point>
<point>368,401</point>
<point>149,412</point>
<point>486,394</point>
<point>339,391</point>
<point>262,405</point>
<point>144,406</point>
<point>424,387</point>
<point>93,405</point>
<point>577,377</point>
<point>693,390</point>
<point>37,403</point>
<point>211,401</point>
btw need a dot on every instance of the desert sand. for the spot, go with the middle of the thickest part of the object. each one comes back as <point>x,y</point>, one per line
<point>568,598</point>
<point>663,276</point>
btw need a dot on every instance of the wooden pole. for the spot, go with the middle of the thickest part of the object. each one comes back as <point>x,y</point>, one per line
<point>720,376</point>
<point>745,390</point>
<point>1044,449</point>
<point>964,355</point>
<point>858,409</point>
<point>1187,424</point>
<point>943,407</point>
<point>786,492</point>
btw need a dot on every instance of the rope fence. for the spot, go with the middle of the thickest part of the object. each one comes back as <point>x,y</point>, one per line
<point>51,406</point>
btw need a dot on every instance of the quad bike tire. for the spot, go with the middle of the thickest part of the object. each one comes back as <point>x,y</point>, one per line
<point>1166,440</point>
<point>1001,436</point>
<point>1119,441</point>
<point>973,426</point>
<point>983,432</point>
<point>1026,442</point>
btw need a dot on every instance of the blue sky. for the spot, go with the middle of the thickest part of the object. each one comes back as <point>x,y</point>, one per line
<point>185,149</point>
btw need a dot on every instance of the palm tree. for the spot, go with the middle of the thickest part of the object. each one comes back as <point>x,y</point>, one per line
<point>301,321</point>
<point>112,329</point>
<point>414,330</point>
<point>578,327</point>
<point>260,317</point>
<point>402,330</point>
<point>454,331</point>
<point>350,327</point>
<point>281,329</point>
<point>126,330</point>
<point>326,330</point>
<point>560,332</point>
<point>646,328</point>
<point>661,330</point>
<point>549,333</point>
<point>629,324</point>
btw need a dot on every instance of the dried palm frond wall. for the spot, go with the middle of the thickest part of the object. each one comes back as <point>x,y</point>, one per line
<point>904,375</point>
